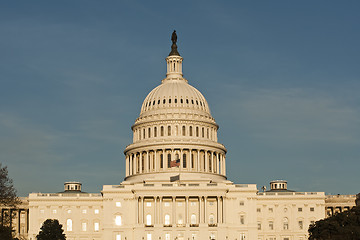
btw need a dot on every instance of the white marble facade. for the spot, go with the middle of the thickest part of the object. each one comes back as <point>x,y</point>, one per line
<point>176,185</point>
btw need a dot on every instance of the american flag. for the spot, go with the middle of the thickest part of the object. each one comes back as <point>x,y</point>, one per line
<point>175,163</point>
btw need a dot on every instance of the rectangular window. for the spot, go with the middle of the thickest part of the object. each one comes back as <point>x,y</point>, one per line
<point>148,204</point>
<point>118,204</point>
<point>148,236</point>
<point>84,211</point>
<point>83,227</point>
<point>242,219</point>
<point>118,237</point>
<point>167,204</point>
<point>118,220</point>
<point>96,211</point>
<point>299,209</point>
<point>258,210</point>
<point>167,236</point>
<point>241,203</point>
<point>271,225</point>
<point>242,236</point>
<point>54,211</point>
<point>312,209</point>
<point>96,226</point>
<point>301,225</point>
<point>259,225</point>
<point>271,210</point>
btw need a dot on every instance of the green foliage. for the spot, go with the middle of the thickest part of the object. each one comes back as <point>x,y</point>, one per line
<point>7,191</point>
<point>5,233</point>
<point>342,226</point>
<point>8,198</point>
<point>51,230</point>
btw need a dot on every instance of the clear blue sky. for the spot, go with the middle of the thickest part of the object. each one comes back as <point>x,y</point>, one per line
<point>281,78</point>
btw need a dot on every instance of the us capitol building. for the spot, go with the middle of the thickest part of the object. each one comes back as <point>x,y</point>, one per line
<point>176,185</point>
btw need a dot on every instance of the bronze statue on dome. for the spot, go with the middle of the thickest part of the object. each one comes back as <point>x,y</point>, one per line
<point>174,50</point>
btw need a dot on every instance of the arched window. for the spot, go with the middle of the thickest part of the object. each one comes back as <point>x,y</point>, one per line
<point>83,226</point>
<point>286,224</point>
<point>155,132</point>
<point>148,220</point>
<point>211,219</point>
<point>202,132</point>
<point>167,219</point>
<point>180,219</point>
<point>175,100</point>
<point>209,163</point>
<point>192,161</point>
<point>197,131</point>
<point>207,133</point>
<point>169,130</point>
<point>144,133</point>
<point>96,226</point>
<point>142,162</point>
<point>161,161</point>
<point>193,219</point>
<point>69,225</point>
<point>164,101</point>
<point>184,160</point>
<point>190,131</point>
<point>169,160</point>
<point>118,221</point>
<point>149,132</point>
<point>183,130</point>
<point>162,131</point>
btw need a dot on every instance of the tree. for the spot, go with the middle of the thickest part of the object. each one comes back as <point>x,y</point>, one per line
<point>8,196</point>
<point>8,199</point>
<point>342,226</point>
<point>51,230</point>
<point>5,233</point>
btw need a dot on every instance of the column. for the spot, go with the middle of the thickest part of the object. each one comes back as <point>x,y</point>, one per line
<point>135,163</point>
<point>217,163</point>
<point>160,210</point>
<point>140,162</point>
<point>212,162</point>
<point>163,160</point>
<point>223,210</point>
<point>181,159</point>
<point>155,210</point>
<point>19,214</point>
<point>186,210</point>
<point>224,159</point>
<point>217,209</point>
<point>173,212</point>
<point>200,212</point>
<point>127,166</point>
<point>198,160</point>
<point>205,206</point>
<point>190,159</point>
<point>206,162</point>
<point>138,209</point>
<point>155,161</point>
<point>147,167</point>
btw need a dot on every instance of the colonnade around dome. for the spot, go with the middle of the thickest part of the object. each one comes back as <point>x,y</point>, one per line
<point>190,160</point>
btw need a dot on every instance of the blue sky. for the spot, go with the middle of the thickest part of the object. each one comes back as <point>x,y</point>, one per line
<point>281,78</point>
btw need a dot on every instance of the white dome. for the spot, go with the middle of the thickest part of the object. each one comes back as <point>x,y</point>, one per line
<point>174,95</point>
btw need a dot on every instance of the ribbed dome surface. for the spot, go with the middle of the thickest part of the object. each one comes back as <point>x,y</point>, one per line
<point>175,94</point>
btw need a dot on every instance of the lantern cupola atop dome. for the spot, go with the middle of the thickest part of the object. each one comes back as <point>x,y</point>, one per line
<point>174,61</point>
